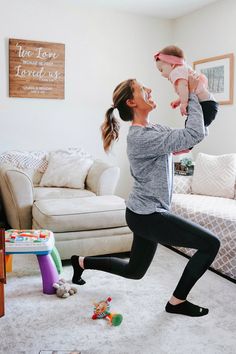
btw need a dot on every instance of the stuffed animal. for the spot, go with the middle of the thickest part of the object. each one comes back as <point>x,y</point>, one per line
<point>64,289</point>
<point>102,310</point>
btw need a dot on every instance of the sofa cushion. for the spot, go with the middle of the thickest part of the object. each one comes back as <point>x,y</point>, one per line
<point>66,171</point>
<point>77,214</point>
<point>201,207</point>
<point>56,193</point>
<point>35,163</point>
<point>214,175</point>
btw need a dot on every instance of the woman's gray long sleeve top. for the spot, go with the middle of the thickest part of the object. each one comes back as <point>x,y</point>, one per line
<point>150,150</point>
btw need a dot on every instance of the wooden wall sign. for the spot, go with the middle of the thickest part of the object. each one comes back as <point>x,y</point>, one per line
<point>36,69</point>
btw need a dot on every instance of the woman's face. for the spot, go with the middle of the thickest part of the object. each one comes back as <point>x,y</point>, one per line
<point>142,97</point>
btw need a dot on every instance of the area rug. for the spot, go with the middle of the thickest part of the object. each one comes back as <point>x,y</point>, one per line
<point>38,323</point>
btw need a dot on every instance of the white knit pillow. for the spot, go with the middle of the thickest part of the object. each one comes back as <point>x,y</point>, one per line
<point>66,171</point>
<point>214,175</point>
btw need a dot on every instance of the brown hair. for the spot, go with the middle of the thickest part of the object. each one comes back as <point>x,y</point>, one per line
<point>172,50</point>
<point>111,126</point>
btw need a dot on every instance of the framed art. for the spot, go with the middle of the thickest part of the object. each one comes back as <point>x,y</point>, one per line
<point>219,71</point>
<point>36,69</point>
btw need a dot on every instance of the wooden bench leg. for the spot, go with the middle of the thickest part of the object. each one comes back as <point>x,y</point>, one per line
<point>2,279</point>
<point>2,306</point>
<point>9,259</point>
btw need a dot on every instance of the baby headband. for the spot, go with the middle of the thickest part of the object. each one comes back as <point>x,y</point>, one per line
<point>170,59</point>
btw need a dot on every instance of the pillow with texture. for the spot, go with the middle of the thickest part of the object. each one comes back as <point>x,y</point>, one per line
<point>214,175</point>
<point>66,171</point>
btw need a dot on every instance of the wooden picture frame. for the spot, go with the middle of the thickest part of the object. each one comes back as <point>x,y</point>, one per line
<point>36,69</point>
<point>219,71</point>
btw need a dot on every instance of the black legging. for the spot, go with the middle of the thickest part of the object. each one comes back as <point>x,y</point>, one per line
<point>167,229</point>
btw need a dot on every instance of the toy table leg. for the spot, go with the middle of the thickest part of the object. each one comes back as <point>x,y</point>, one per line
<point>9,258</point>
<point>49,273</point>
<point>57,259</point>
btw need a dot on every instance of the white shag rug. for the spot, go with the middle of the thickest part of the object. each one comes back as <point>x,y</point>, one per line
<point>35,322</point>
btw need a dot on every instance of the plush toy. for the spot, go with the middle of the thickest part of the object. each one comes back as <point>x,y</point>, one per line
<point>64,289</point>
<point>102,310</point>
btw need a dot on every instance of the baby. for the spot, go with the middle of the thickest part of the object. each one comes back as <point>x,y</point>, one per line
<point>170,62</point>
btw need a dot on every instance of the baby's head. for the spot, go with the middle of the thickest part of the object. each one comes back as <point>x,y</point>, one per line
<point>164,68</point>
<point>168,58</point>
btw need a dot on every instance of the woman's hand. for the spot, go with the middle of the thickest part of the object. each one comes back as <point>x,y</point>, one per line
<point>183,109</point>
<point>193,80</point>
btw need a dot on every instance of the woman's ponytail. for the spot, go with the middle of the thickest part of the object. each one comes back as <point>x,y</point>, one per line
<point>110,129</point>
<point>111,126</point>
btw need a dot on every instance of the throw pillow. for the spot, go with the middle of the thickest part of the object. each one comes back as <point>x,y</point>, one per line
<point>66,171</point>
<point>35,160</point>
<point>214,175</point>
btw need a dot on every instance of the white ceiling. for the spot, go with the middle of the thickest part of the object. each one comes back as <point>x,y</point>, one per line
<point>168,9</point>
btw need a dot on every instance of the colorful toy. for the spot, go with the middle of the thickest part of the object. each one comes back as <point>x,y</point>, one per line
<point>64,289</point>
<point>38,242</point>
<point>102,310</point>
<point>42,244</point>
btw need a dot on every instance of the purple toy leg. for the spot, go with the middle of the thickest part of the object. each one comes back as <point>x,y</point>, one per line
<point>49,273</point>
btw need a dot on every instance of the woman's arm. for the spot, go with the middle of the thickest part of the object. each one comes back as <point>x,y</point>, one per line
<point>165,140</point>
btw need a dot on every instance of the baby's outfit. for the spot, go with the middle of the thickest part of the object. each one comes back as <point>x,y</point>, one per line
<point>209,106</point>
<point>182,72</point>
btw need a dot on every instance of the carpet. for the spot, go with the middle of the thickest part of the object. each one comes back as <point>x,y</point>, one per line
<point>38,323</point>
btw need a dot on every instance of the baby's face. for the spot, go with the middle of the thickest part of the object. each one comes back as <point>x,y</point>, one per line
<point>164,68</point>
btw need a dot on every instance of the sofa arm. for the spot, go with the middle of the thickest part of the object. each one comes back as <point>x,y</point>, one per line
<point>102,178</point>
<point>17,197</point>
<point>182,184</point>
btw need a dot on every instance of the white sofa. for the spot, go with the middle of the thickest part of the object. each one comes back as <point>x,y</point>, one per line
<point>75,201</point>
<point>194,199</point>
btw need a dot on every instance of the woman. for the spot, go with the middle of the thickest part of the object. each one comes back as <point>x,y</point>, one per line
<point>149,149</point>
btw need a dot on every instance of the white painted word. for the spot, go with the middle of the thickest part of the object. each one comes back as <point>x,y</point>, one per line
<point>40,74</point>
<point>40,53</point>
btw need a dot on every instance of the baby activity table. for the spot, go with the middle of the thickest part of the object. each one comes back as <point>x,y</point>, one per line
<point>42,244</point>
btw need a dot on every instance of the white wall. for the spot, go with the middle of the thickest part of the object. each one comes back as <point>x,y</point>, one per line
<point>102,49</point>
<point>207,33</point>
